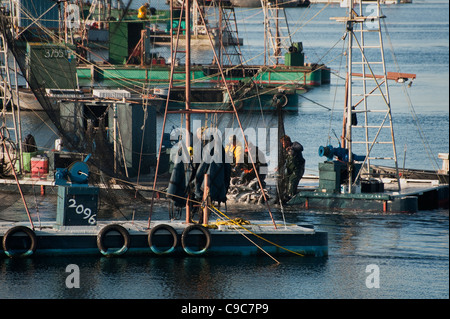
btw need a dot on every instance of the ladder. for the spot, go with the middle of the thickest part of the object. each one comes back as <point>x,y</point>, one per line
<point>368,127</point>
<point>230,49</point>
<point>176,47</point>
<point>276,31</point>
<point>10,108</point>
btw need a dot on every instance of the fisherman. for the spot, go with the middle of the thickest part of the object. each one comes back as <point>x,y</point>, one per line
<point>234,152</point>
<point>258,158</point>
<point>142,11</point>
<point>294,166</point>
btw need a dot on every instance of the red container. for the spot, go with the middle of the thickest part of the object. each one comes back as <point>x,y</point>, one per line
<point>39,166</point>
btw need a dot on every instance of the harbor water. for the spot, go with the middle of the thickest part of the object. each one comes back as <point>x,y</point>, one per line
<point>371,255</point>
<point>409,251</point>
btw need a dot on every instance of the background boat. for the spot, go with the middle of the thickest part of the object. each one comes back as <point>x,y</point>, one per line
<point>257,3</point>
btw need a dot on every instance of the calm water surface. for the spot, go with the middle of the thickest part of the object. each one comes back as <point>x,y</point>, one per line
<point>411,251</point>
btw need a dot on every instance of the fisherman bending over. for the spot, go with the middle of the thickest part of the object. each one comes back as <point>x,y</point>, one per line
<point>143,11</point>
<point>258,158</point>
<point>294,166</point>
<point>234,152</point>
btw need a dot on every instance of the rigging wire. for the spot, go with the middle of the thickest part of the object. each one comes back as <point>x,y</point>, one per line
<point>414,115</point>
<point>335,93</point>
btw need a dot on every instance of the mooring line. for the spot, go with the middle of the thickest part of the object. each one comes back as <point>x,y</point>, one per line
<point>260,237</point>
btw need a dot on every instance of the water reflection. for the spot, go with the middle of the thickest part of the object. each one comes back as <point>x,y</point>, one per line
<point>156,278</point>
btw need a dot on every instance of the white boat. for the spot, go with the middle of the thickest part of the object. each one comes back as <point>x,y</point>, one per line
<point>281,3</point>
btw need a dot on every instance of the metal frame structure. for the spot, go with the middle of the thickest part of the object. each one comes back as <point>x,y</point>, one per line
<point>365,39</point>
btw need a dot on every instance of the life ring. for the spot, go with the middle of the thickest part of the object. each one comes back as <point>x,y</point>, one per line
<point>185,235</point>
<point>101,237</point>
<point>280,100</point>
<point>151,242</point>
<point>7,243</point>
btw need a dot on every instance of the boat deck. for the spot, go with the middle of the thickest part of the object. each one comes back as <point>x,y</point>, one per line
<point>429,193</point>
<point>414,195</point>
<point>138,227</point>
<point>169,237</point>
<point>54,238</point>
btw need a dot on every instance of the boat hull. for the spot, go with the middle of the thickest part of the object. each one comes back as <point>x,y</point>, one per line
<point>292,240</point>
<point>157,75</point>
<point>218,99</point>
<point>425,198</point>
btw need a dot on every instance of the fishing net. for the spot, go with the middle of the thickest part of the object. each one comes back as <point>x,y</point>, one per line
<point>77,132</point>
<point>84,131</point>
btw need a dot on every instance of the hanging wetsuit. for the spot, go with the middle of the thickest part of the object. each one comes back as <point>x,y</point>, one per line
<point>219,177</point>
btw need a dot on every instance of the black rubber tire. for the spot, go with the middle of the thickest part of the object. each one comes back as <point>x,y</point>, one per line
<point>171,230</point>
<point>101,236</point>
<point>19,229</point>
<point>185,234</point>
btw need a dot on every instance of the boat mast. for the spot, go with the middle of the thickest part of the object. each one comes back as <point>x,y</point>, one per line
<point>276,31</point>
<point>188,86</point>
<point>185,8</point>
<point>364,36</point>
<point>348,104</point>
<point>187,110</point>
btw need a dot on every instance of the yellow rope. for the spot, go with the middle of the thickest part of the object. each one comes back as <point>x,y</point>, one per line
<point>258,236</point>
<point>236,221</point>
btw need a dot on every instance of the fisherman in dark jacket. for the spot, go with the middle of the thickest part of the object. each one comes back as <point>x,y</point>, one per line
<point>294,166</point>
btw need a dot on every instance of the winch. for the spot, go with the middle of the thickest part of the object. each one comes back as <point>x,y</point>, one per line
<point>341,153</point>
<point>77,173</point>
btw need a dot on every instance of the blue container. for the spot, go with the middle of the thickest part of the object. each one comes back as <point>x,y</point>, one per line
<point>77,206</point>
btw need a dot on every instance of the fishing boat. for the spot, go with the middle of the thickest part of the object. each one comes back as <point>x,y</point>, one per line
<point>114,49</point>
<point>76,231</point>
<point>219,36</point>
<point>101,141</point>
<point>349,178</point>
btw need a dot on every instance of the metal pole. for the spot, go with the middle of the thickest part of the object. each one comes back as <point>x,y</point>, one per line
<point>349,95</point>
<point>264,4</point>
<point>205,199</point>
<point>277,34</point>
<point>115,137</point>
<point>19,122</point>
<point>188,85</point>
<point>172,68</point>
<point>240,125</point>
